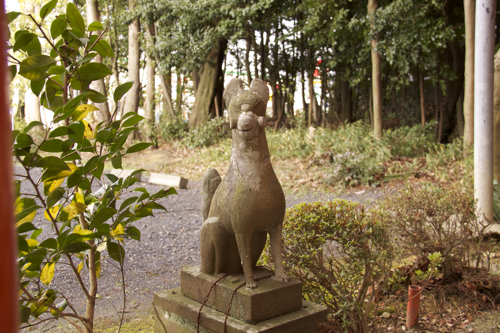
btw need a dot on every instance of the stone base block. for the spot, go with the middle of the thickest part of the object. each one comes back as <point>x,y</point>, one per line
<point>270,299</point>
<point>168,180</point>
<point>178,314</point>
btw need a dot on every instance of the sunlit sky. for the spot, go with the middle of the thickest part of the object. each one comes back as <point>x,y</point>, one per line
<point>12,6</point>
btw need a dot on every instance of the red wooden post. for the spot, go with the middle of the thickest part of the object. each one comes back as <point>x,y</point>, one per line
<point>9,311</point>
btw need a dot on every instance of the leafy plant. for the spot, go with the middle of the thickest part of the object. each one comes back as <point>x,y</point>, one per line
<point>427,219</point>
<point>339,251</point>
<point>86,226</point>
<point>169,129</point>
<point>206,135</point>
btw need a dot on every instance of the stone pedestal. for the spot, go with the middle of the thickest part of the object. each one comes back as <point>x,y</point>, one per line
<point>272,307</point>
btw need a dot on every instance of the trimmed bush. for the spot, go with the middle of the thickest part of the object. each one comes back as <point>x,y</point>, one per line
<point>342,255</point>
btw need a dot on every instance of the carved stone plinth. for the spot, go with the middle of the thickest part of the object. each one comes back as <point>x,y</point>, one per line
<point>272,307</point>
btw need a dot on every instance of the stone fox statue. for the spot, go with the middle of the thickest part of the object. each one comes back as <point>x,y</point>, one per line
<point>249,203</point>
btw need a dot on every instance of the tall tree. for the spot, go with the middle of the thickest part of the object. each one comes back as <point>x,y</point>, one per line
<point>132,99</point>
<point>376,78</point>
<point>483,107</point>
<point>496,120</point>
<point>149,111</point>
<point>469,15</point>
<point>94,15</point>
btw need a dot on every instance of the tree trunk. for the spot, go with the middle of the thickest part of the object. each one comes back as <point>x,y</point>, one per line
<point>346,104</point>
<point>455,59</point>
<point>376,79</point>
<point>204,97</point>
<point>422,97</point>
<point>262,57</point>
<point>132,100</point>
<point>32,107</point>
<point>469,15</point>
<point>150,87</point>
<point>312,99</point>
<point>483,107</point>
<point>196,80</point>
<point>166,87</point>
<point>460,113</point>
<point>255,63</point>
<point>93,15</point>
<point>178,93</point>
<point>247,60</point>
<point>496,120</point>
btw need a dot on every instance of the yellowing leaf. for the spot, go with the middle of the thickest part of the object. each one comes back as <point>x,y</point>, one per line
<point>85,232</point>
<point>47,273</point>
<point>88,133</point>
<point>77,228</point>
<point>98,264</point>
<point>72,210</point>
<point>53,184</point>
<point>101,247</point>
<point>32,243</point>
<point>20,205</point>
<point>80,266</point>
<point>79,198</point>
<point>53,212</point>
<point>119,230</point>
<point>62,174</point>
<point>82,111</point>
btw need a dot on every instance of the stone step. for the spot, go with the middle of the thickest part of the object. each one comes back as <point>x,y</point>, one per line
<point>270,299</point>
<point>177,313</point>
<point>168,180</point>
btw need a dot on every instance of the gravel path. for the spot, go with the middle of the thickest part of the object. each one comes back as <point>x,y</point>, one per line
<point>169,241</point>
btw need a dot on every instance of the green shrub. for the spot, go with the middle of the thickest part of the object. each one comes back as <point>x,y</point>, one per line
<point>428,219</point>
<point>169,129</point>
<point>339,251</point>
<point>206,135</point>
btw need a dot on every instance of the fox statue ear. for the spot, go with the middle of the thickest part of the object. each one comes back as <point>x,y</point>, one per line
<point>233,88</point>
<point>259,87</point>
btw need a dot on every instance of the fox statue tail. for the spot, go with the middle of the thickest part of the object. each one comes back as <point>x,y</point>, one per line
<point>211,181</point>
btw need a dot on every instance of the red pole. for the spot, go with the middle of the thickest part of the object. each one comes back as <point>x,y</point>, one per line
<point>9,286</point>
<point>413,308</point>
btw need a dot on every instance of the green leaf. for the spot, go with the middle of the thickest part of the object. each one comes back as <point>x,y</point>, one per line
<point>23,40</point>
<point>102,216</point>
<point>25,314</point>
<point>93,71</point>
<point>11,16</point>
<point>49,243</point>
<point>60,131</point>
<point>116,252</point>
<point>75,179</point>
<point>54,196</point>
<point>36,233</point>
<point>95,26</point>
<point>76,247</point>
<point>122,90</point>
<point>134,233</point>
<point>102,47</point>
<point>37,87</point>
<point>57,70</point>
<point>96,96</point>
<point>23,140</point>
<point>116,161</point>
<point>25,227</point>
<point>47,8</point>
<point>57,27</point>
<point>51,146</point>
<point>13,72</point>
<point>31,125</point>
<point>53,163</point>
<point>34,48</point>
<point>35,67</point>
<point>22,245</point>
<point>138,147</point>
<point>112,178</point>
<point>75,19</point>
<point>132,121</point>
